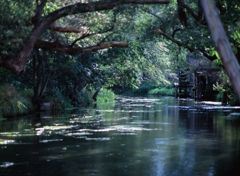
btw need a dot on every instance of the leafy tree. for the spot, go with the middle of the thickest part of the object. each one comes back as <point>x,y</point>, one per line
<point>48,17</point>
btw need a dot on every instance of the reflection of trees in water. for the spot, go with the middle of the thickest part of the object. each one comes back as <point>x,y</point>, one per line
<point>228,132</point>
<point>186,150</point>
<point>199,121</point>
<point>213,141</point>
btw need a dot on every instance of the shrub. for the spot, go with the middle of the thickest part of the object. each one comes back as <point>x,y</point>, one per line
<point>13,103</point>
<point>105,96</point>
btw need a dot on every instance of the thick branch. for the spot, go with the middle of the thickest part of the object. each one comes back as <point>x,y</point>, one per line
<point>59,28</point>
<point>222,44</point>
<point>169,37</point>
<point>54,46</point>
<point>39,11</point>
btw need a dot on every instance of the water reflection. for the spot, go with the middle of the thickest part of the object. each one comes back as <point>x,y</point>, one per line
<point>135,136</point>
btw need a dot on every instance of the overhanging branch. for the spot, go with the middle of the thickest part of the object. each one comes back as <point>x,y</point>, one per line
<point>58,28</point>
<point>54,46</point>
<point>181,44</point>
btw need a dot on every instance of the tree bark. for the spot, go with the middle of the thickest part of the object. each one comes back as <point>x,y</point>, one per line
<point>222,44</point>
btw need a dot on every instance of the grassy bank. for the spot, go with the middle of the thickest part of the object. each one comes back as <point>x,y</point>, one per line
<point>164,91</point>
<point>150,88</point>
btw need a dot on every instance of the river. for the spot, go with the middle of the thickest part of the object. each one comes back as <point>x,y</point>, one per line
<point>135,136</point>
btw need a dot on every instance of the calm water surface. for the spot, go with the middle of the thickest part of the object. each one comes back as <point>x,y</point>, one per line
<point>158,136</point>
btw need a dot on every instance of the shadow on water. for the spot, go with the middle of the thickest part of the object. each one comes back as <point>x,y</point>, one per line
<point>155,136</point>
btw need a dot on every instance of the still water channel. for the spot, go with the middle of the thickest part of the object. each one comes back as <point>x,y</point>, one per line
<point>146,136</point>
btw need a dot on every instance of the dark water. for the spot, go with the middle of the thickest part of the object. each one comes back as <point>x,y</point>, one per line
<point>134,136</point>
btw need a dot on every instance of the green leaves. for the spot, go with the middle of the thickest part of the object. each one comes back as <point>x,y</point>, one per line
<point>14,17</point>
<point>50,7</point>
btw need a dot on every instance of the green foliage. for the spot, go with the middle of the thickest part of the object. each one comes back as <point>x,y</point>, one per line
<point>143,88</point>
<point>219,87</point>
<point>105,95</point>
<point>84,98</point>
<point>58,100</point>
<point>233,100</point>
<point>50,7</point>
<point>214,53</point>
<point>162,91</point>
<point>14,15</point>
<point>223,84</point>
<point>14,103</point>
<point>219,97</point>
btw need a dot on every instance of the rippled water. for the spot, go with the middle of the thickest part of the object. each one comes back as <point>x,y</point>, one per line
<point>160,136</point>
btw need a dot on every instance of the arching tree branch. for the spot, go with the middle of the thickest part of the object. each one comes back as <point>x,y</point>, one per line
<point>182,44</point>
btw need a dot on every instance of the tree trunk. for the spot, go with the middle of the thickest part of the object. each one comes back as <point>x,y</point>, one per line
<point>94,97</point>
<point>222,44</point>
<point>40,81</point>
